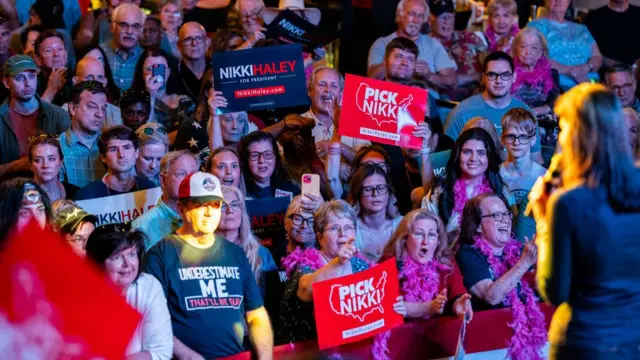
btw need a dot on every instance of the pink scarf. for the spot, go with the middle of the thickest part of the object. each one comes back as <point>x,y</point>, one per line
<point>310,257</point>
<point>493,38</point>
<point>529,330</point>
<point>420,283</point>
<point>460,197</point>
<point>539,77</point>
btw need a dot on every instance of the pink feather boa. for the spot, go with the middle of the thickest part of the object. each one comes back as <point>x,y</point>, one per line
<point>493,38</point>
<point>310,257</point>
<point>460,193</point>
<point>540,76</point>
<point>420,283</point>
<point>529,330</point>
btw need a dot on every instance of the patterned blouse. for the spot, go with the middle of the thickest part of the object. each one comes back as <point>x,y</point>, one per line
<point>464,48</point>
<point>569,43</point>
<point>296,321</point>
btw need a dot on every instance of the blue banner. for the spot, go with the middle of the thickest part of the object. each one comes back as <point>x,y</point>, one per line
<point>262,78</point>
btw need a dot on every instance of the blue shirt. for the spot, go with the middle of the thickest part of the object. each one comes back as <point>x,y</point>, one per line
<point>208,292</point>
<point>81,164</point>
<point>157,223</point>
<point>475,106</point>
<point>569,43</point>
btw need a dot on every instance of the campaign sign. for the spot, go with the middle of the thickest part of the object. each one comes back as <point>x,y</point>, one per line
<point>289,28</point>
<point>358,306</point>
<point>121,208</point>
<point>262,78</point>
<point>382,111</point>
<point>267,223</point>
<point>56,305</point>
<point>439,162</point>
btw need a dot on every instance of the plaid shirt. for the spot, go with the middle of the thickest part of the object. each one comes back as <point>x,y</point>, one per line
<point>81,165</point>
<point>123,69</point>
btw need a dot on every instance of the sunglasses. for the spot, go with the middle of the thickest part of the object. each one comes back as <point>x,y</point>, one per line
<point>149,131</point>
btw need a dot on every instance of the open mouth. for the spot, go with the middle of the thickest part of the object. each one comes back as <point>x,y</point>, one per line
<point>262,169</point>
<point>423,251</point>
<point>504,230</point>
<point>227,181</point>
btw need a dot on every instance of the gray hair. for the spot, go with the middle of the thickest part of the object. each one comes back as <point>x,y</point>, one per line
<point>125,8</point>
<point>403,3</point>
<point>294,206</point>
<point>338,208</point>
<point>312,79</point>
<point>172,156</point>
<point>236,6</point>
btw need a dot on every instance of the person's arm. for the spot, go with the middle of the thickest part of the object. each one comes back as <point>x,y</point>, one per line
<point>339,266</point>
<point>288,123</point>
<point>183,352</point>
<point>333,166</point>
<point>375,61</point>
<point>19,165</point>
<point>445,78</point>
<point>55,82</point>
<point>554,238</point>
<point>260,333</point>
<point>494,292</point>
<point>214,127</point>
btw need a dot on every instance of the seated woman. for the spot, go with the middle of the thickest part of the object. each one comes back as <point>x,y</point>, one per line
<point>120,256</point>
<point>464,47</point>
<point>45,156</point>
<point>430,281</point>
<point>235,227</point>
<point>536,82</point>
<point>298,223</point>
<point>335,225</point>
<point>372,197</point>
<point>572,50</point>
<point>503,25</point>
<point>224,163</point>
<point>489,127</point>
<point>494,268</point>
<point>632,122</point>
<point>21,202</point>
<point>153,144</point>
<point>473,169</point>
<point>75,225</point>
<point>264,176</point>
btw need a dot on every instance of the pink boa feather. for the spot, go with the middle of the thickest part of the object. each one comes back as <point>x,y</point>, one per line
<point>529,330</point>
<point>539,76</point>
<point>493,38</point>
<point>310,257</point>
<point>420,283</point>
<point>460,193</point>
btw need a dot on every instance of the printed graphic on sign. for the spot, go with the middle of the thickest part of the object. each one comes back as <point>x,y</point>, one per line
<point>358,306</point>
<point>267,222</point>
<point>213,287</point>
<point>121,208</point>
<point>382,111</point>
<point>289,28</point>
<point>261,78</point>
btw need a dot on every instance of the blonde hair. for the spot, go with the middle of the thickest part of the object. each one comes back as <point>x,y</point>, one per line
<point>508,5</point>
<point>529,31</point>
<point>485,124</point>
<point>397,245</point>
<point>246,240</point>
<point>629,111</point>
<point>520,119</point>
<point>157,137</point>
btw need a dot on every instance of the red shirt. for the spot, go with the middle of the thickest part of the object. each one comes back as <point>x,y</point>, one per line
<point>23,127</point>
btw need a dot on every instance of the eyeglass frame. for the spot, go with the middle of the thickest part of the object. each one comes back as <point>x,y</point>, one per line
<point>344,230</point>
<point>376,189</point>
<point>225,207</point>
<point>527,137</point>
<point>264,155</point>
<point>498,216</point>
<point>492,76</point>
<point>301,220</point>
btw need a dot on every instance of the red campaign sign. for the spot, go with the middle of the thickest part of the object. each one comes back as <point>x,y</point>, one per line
<point>358,306</point>
<point>55,305</point>
<point>382,111</point>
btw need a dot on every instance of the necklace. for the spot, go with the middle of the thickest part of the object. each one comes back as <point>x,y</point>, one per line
<point>104,181</point>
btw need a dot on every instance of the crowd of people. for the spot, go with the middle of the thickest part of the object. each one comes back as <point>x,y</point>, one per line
<point>121,99</point>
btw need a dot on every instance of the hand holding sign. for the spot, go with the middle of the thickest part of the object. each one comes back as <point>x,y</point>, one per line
<point>216,100</point>
<point>436,306</point>
<point>400,306</point>
<point>422,131</point>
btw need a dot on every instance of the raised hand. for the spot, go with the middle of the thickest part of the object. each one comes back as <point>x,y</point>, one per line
<point>436,306</point>
<point>529,255</point>
<point>347,251</point>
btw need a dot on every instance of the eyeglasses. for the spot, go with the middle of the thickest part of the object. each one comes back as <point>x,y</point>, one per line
<point>299,220</point>
<point>492,76</point>
<point>251,16</point>
<point>191,40</point>
<point>150,130</point>
<point>123,26</point>
<point>522,139</point>
<point>335,229</point>
<point>381,189</point>
<point>267,155</point>
<point>499,216</point>
<point>420,235</point>
<point>234,206</point>
<point>172,13</point>
<point>624,87</point>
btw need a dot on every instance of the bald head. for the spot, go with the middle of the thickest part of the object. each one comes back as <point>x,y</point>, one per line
<point>89,69</point>
<point>193,41</point>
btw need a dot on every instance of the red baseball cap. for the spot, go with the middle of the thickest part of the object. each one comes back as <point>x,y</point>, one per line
<point>200,187</point>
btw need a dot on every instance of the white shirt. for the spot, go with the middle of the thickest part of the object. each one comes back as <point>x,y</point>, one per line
<point>154,333</point>
<point>320,133</point>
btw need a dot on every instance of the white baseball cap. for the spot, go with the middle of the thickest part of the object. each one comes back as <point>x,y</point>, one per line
<point>200,187</point>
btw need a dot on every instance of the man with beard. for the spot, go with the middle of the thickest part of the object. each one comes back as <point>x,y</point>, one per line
<point>433,63</point>
<point>95,26</point>
<point>118,150</point>
<point>88,106</point>
<point>54,82</point>
<point>123,51</point>
<point>164,219</point>
<point>24,115</point>
<point>498,78</point>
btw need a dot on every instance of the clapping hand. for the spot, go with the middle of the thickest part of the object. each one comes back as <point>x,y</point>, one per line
<point>436,306</point>
<point>529,254</point>
<point>462,307</point>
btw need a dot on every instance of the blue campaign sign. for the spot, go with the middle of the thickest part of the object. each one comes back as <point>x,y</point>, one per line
<point>262,78</point>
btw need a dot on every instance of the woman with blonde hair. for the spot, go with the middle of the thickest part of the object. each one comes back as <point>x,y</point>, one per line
<point>632,122</point>
<point>430,281</point>
<point>587,231</point>
<point>235,227</point>
<point>503,25</point>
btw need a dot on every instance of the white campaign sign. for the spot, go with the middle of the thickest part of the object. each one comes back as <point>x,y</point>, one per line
<point>121,208</point>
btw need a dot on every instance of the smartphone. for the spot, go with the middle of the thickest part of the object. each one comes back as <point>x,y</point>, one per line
<point>158,70</point>
<point>311,184</point>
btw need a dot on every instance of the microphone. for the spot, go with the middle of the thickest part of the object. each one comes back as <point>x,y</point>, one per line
<point>552,180</point>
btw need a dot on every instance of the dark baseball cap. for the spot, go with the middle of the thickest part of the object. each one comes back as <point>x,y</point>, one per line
<point>17,64</point>
<point>71,216</point>
<point>439,7</point>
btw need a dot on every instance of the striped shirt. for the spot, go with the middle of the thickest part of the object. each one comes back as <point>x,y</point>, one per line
<point>81,165</point>
<point>122,63</point>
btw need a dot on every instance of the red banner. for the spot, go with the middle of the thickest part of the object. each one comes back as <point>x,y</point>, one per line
<point>55,305</point>
<point>382,111</point>
<point>358,306</point>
